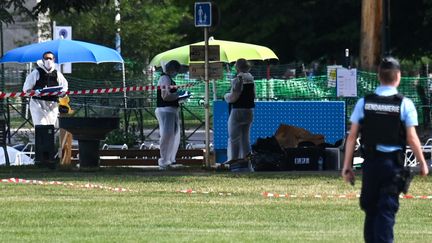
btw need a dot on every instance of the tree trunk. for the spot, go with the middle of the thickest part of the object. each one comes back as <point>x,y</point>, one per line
<point>371,34</point>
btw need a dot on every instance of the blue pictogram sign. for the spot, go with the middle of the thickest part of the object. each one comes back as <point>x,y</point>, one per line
<point>203,17</point>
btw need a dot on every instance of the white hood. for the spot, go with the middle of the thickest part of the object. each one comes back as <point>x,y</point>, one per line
<point>41,65</point>
<point>246,77</point>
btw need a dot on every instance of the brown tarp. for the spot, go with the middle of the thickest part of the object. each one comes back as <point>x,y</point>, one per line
<point>290,136</point>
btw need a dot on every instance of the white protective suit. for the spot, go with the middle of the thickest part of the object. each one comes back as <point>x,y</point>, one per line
<point>43,112</point>
<point>169,125</point>
<point>240,120</point>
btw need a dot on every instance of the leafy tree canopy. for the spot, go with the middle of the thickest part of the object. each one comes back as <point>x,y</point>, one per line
<point>296,30</point>
<point>147,27</point>
<point>54,6</point>
<point>17,6</point>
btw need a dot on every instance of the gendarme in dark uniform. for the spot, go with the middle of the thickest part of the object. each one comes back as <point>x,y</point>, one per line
<point>386,121</point>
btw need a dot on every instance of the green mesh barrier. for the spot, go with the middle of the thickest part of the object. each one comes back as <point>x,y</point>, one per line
<point>277,88</point>
<point>316,88</point>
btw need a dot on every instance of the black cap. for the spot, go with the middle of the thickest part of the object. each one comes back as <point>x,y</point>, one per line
<point>389,63</point>
<point>243,65</point>
<point>172,65</point>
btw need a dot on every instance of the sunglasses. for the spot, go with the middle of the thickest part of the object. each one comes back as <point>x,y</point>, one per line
<point>48,58</point>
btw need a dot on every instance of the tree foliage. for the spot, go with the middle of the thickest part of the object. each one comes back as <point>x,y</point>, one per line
<point>17,6</point>
<point>67,6</point>
<point>54,6</point>
<point>296,30</point>
<point>319,29</point>
<point>410,25</point>
<point>147,27</point>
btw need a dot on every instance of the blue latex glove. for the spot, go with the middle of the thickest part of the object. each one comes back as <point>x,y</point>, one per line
<point>38,92</point>
<point>181,92</point>
<point>185,95</point>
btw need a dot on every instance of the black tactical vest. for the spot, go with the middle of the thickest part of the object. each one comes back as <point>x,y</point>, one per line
<point>46,80</point>
<point>382,123</point>
<point>160,102</point>
<point>247,97</point>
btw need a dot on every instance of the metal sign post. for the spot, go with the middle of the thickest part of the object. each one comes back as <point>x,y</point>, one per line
<point>203,18</point>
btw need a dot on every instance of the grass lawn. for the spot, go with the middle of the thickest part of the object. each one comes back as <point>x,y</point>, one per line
<point>227,207</point>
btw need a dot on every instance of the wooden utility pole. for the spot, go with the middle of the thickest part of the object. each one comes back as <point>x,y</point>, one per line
<point>371,34</point>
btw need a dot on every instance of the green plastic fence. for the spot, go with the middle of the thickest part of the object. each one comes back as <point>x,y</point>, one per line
<point>275,89</point>
<point>316,88</point>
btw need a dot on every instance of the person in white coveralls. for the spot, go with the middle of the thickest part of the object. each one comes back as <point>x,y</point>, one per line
<point>44,109</point>
<point>167,114</point>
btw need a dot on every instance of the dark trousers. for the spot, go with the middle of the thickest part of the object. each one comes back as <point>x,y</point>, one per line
<point>378,199</point>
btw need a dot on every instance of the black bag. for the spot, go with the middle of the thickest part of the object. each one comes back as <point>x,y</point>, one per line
<point>267,161</point>
<point>268,144</point>
<point>267,155</point>
<point>307,158</point>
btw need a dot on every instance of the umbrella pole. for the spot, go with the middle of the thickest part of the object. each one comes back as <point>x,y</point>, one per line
<point>268,82</point>
<point>214,90</point>
<point>268,70</point>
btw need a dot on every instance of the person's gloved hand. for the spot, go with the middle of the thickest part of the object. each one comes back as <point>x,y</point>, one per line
<point>183,98</point>
<point>63,94</point>
<point>38,92</point>
<point>186,94</point>
<point>181,92</point>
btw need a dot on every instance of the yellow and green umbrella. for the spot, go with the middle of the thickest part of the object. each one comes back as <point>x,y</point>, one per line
<point>230,51</point>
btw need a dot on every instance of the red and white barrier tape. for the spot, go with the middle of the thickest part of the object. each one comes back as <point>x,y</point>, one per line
<point>88,185</point>
<point>286,195</point>
<point>348,196</point>
<point>190,191</point>
<point>408,196</point>
<point>94,91</point>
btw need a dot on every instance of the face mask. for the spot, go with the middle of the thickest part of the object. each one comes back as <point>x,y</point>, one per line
<point>48,64</point>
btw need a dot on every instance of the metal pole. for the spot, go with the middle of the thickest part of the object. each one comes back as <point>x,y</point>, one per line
<point>267,83</point>
<point>118,48</point>
<point>347,59</point>
<point>4,102</point>
<point>214,90</point>
<point>2,81</point>
<point>117,24</point>
<point>85,107</point>
<point>183,135</point>
<point>206,99</point>
<point>124,85</point>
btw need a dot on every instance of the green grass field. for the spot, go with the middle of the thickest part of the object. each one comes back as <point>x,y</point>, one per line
<point>227,207</point>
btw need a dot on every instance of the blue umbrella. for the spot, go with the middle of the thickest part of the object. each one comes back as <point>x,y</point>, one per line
<point>65,51</point>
